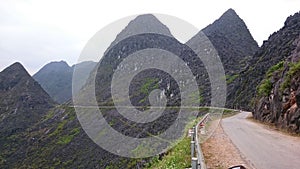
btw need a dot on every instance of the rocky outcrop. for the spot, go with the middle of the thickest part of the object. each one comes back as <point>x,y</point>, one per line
<point>232,39</point>
<point>21,99</point>
<point>235,46</point>
<point>277,95</point>
<point>277,48</point>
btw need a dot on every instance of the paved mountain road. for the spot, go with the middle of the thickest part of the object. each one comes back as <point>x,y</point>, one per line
<point>262,148</point>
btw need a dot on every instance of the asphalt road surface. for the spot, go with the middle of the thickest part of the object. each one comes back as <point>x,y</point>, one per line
<point>263,148</point>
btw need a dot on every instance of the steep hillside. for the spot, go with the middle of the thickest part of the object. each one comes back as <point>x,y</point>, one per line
<point>140,88</point>
<point>54,138</point>
<point>56,78</point>
<point>232,39</point>
<point>146,23</point>
<point>145,81</point>
<point>235,46</point>
<point>22,103</point>
<point>35,134</point>
<point>277,98</point>
<point>277,48</point>
<point>83,70</point>
<point>57,139</point>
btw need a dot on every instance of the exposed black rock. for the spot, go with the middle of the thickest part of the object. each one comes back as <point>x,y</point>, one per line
<point>277,48</point>
<point>235,46</point>
<point>276,73</point>
<point>22,104</point>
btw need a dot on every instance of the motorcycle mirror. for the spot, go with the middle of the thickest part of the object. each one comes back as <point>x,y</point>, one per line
<point>237,167</point>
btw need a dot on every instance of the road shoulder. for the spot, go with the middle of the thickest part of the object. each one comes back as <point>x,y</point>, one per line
<point>220,152</point>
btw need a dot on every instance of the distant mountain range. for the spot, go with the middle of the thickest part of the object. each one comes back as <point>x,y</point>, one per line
<point>35,132</point>
<point>56,78</point>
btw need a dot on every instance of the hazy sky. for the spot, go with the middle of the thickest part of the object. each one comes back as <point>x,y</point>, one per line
<point>35,32</point>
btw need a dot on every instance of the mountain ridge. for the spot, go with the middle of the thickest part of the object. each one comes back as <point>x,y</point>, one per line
<point>235,46</point>
<point>56,78</point>
<point>22,103</point>
<point>277,48</point>
<point>57,140</point>
<point>277,96</point>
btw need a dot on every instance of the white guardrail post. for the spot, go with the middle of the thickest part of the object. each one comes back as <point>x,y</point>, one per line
<point>194,163</point>
<point>198,161</point>
<point>192,149</point>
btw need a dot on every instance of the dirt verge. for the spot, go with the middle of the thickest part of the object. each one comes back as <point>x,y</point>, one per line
<point>220,153</point>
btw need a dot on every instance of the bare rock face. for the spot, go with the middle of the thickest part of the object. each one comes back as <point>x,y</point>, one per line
<point>278,94</point>
<point>22,104</point>
<point>21,97</point>
<point>235,46</point>
<point>232,39</point>
<point>277,48</point>
<point>298,97</point>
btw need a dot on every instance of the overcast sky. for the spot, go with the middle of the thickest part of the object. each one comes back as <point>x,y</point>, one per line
<point>35,32</point>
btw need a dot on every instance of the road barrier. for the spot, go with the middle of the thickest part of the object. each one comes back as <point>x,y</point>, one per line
<point>196,152</point>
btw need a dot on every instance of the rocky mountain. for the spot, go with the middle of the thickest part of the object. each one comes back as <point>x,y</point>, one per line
<point>146,23</point>
<point>54,137</point>
<point>22,103</point>
<point>56,78</point>
<point>233,41</point>
<point>277,48</point>
<point>34,133</point>
<point>151,34</point>
<point>57,139</point>
<point>234,44</point>
<point>277,77</point>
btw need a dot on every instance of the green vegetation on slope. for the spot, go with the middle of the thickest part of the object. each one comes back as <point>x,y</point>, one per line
<point>230,79</point>
<point>68,138</point>
<point>294,68</point>
<point>149,85</point>
<point>277,67</point>
<point>180,155</point>
<point>265,87</point>
<point>195,98</point>
<point>177,158</point>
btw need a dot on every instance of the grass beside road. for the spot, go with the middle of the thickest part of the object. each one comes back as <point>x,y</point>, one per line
<point>179,156</point>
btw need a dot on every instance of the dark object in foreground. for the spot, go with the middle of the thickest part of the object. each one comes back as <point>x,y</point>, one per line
<point>237,167</point>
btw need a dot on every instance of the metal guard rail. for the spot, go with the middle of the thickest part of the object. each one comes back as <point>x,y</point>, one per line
<point>199,162</point>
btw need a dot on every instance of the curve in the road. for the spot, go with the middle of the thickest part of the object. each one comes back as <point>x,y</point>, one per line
<point>264,148</point>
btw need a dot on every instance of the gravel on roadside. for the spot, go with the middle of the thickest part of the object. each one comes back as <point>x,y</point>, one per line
<point>220,153</point>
